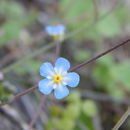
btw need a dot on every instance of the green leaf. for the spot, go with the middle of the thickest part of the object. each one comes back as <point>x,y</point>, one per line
<point>10,31</point>
<point>89,108</point>
<point>72,111</point>
<point>66,124</point>
<point>86,120</point>
<point>55,111</point>
<point>12,10</point>
<point>102,72</point>
<point>115,91</point>
<point>74,97</point>
<point>121,73</point>
<point>15,18</point>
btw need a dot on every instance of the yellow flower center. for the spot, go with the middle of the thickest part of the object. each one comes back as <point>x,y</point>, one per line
<point>57,78</point>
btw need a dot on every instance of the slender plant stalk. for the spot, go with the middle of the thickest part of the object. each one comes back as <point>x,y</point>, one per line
<point>58,49</point>
<point>100,55</point>
<point>76,67</point>
<point>20,95</point>
<point>25,92</point>
<point>122,120</point>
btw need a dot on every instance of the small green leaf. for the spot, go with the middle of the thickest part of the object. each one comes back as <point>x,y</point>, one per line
<point>72,111</point>
<point>55,111</point>
<point>121,73</point>
<point>89,108</point>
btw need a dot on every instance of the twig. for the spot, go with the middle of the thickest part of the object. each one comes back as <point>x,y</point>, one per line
<point>20,95</point>
<point>100,55</point>
<point>122,120</point>
<point>76,67</point>
<point>25,92</point>
<point>36,115</point>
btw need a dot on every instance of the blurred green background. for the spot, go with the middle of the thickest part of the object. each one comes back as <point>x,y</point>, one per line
<point>92,26</point>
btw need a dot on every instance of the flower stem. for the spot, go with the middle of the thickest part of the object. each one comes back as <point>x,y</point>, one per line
<point>58,49</point>
<point>122,120</point>
<point>20,95</point>
<point>98,56</point>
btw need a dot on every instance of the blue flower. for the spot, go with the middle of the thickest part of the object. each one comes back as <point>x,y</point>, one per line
<point>55,30</point>
<point>57,78</point>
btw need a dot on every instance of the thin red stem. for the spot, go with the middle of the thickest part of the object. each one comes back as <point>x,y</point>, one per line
<point>100,55</point>
<point>73,69</point>
<point>20,95</point>
<point>25,92</point>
